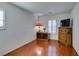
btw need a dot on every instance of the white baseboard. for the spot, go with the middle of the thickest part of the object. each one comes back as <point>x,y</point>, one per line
<point>18,47</point>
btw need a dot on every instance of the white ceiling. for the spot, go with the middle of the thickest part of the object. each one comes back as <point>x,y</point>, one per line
<point>46,7</point>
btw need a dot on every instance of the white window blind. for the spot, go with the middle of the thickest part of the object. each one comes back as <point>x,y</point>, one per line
<point>2,19</point>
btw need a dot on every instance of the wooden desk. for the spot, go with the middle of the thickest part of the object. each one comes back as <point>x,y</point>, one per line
<point>43,35</point>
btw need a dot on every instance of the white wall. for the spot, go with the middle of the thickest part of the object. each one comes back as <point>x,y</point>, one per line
<point>75,17</point>
<point>57,17</point>
<point>19,28</point>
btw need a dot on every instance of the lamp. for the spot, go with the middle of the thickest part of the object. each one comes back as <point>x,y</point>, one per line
<point>38,23</point>
<point>39,26</point>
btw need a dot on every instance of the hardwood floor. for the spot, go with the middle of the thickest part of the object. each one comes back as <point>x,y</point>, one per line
<point>44,48</point>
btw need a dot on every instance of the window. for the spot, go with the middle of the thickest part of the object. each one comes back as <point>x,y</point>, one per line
<point>49,26</point>
<point>52,26</point>
<point>2,19</point>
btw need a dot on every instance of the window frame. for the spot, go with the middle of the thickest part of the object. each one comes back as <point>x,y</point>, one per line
<point>3,27</point>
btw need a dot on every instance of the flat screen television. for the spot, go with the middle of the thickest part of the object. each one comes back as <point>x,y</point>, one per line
<point>65,23</point>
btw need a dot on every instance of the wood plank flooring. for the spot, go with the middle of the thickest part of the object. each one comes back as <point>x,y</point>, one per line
<point>44,48</point>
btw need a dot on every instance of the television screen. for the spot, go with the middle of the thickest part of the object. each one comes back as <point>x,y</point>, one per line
<point>65,22</point>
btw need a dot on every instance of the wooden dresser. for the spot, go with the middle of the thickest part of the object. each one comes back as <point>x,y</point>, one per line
<point>42,35</point>
<point>65,35</point>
